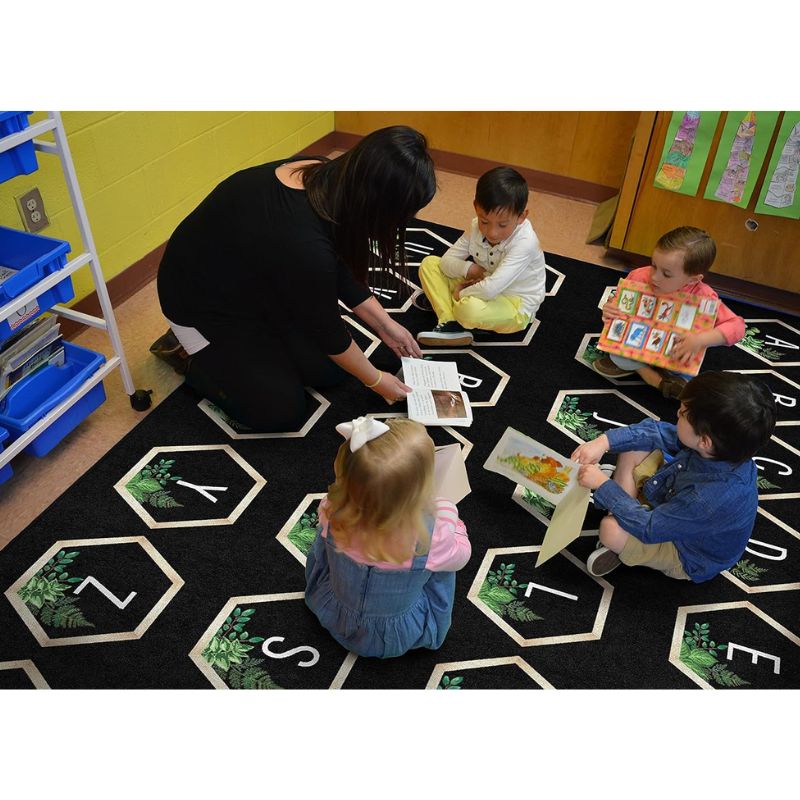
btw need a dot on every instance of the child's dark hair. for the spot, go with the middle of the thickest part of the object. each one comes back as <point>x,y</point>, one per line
<point>737,412</point>
<point>699,249</point>
<point>502,189</point>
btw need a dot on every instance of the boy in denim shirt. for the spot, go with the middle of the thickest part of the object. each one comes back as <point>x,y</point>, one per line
<point>697,511</point>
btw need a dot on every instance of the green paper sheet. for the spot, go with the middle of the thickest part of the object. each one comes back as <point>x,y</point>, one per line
<point>780,195</point>
<point>685,152</point>
<point>740,154</point>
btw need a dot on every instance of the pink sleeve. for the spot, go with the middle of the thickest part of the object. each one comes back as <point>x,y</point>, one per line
<point>322,514</point>
<point>640,274</point>
<point>450,548</point>
<point>729,324</point>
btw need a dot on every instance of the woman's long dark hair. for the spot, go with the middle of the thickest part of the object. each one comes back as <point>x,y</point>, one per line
<point>370,194</point>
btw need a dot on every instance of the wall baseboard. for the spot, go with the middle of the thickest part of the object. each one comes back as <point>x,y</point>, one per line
<point>120,288</point>
<point>473,167</point>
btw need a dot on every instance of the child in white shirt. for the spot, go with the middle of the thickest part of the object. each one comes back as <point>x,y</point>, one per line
<point>502,286</point>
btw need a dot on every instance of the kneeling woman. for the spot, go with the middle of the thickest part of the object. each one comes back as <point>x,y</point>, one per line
<point>250,281</point>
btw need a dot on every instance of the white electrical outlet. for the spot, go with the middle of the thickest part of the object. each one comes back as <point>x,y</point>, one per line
<point>31,209</point>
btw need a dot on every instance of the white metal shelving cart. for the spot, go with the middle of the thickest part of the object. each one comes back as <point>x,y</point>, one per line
<point>140,398</point>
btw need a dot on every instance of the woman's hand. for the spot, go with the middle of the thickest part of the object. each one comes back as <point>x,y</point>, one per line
<point>591,452</point>
<point>391,388</point>
<point>399,340</point>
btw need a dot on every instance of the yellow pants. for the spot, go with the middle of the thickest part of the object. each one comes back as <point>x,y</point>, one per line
<point>501,315</point>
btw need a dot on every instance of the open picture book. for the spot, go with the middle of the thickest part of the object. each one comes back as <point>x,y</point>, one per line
<point>549,475</point>
<point>654,323</point>
<point>436,398</point>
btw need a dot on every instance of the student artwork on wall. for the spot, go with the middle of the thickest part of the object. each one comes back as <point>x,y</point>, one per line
<point>740,154</point>
<point>655,324</point>
<point>780,195</point>
<point>686,148</point>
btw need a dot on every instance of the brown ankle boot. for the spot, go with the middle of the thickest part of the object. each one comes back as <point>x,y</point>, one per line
<point>169,349</point>
<point>671,385</point>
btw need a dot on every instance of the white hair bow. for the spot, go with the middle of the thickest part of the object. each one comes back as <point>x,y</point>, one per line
<point>361,430</point>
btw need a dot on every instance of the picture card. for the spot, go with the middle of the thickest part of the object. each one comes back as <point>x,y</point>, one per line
<point>686,315</point>
<point>636,334</point>
<point>609,294</point>
<point>616,330</point>
<point>530,463</point>
<point>666,310</point>
<point>647,306</point>
<point>627,300</point>
<point>655,341</point>
<point>551,476</point>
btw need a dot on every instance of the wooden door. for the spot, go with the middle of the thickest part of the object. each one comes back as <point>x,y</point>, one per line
<point>769,255</point>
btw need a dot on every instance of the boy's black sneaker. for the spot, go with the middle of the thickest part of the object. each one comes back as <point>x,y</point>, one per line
<point>602,561</point>
<point>446,334</point>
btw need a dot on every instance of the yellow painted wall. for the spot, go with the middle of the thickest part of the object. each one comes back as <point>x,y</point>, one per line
<point>142,172</point>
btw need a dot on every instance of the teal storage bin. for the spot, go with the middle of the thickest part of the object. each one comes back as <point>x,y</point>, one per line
<point>39,393</point>
<point>5,472</point>
<point>34,257</point>
<point>19,160</point>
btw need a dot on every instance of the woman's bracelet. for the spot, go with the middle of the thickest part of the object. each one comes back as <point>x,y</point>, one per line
<point>373,385</point>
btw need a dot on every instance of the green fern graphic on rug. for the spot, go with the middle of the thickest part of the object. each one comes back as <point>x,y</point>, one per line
<point>149,485</point>
<point>591,353</point>
<point>451,683</point>
<point>230,421</point>
<point>758,346</point>
<point>699,653</point>
<point>763,483</point>
<point>575,420</point>
<point>304,532</point>
<point>746,570</point>
<point>544,507</point>
<point>227,654</point>
<point>499,593</point>
<point>48,594</point>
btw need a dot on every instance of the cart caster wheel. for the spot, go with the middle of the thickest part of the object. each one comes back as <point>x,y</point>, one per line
<point>141,400</point>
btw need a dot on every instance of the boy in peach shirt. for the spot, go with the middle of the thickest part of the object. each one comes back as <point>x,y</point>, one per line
<point>680,258</point>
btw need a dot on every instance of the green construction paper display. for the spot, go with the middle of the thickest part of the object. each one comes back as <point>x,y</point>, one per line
<point>686,148</point>
<point>740,154</point>
<point>780,195</point>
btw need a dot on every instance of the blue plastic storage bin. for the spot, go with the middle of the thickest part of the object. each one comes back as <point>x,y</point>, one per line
<point>34,257</point>
<point>19,160</point>
<point>5,472</point>
<point>39,393</point>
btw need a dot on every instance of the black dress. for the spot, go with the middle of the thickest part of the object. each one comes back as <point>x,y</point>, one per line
<point>254,269</point>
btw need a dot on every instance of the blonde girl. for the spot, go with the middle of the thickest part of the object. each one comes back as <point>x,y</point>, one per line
<point>380,575</point>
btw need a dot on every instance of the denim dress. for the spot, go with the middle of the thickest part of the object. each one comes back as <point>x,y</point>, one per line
<point>378,612</point>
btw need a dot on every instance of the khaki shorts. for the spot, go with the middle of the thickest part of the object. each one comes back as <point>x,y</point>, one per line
<point>662,556</point>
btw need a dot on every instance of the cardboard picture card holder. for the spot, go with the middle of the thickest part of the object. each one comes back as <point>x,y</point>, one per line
<point>654,323</point>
